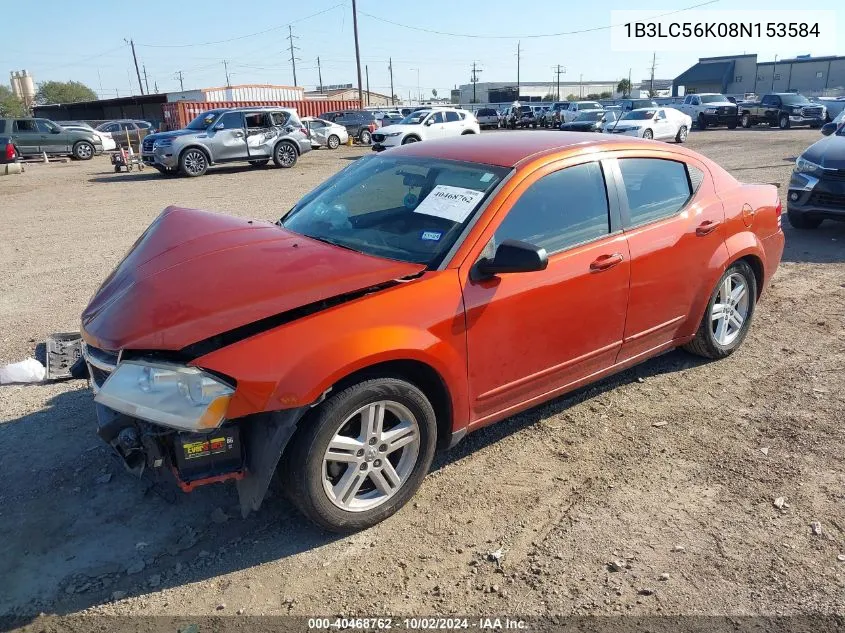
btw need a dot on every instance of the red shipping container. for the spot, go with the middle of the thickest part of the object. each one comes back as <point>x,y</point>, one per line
<point>178,114</point>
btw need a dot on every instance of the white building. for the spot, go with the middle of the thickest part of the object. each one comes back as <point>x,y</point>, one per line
<point>506,92</point>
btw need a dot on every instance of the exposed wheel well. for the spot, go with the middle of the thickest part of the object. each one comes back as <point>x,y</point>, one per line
<point>465,132</point>
<point>289,142</point>
<point>423,376</point>
<point>757,267</point>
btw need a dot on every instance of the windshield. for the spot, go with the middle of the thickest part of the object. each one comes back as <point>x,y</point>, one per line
<point>589,116</point>
<point>203,121</point>
<point>713,98</point>
<point>589,105</point>
<point>794,99</point>
<point>639,115</point>
<point>402,208</point>
<point>415,118</point>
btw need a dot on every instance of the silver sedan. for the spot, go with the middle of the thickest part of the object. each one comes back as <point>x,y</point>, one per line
<point>325,133</point>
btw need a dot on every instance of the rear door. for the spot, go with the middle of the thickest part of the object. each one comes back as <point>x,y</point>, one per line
<point>227,137</point>
<point>673,241</point>
<point>454,123</point>
<point>26,136</point>
<point>260,134</point>
<point>436,125</point>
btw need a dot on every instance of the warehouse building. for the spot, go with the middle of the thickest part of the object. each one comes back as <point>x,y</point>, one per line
<point>506,92</point>
<point>742,74</point>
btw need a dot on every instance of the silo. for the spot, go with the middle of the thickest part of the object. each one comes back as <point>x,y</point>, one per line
<point>16,85</point>
<point>27,87</point>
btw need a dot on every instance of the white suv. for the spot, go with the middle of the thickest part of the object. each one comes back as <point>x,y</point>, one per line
<point>423,125</point>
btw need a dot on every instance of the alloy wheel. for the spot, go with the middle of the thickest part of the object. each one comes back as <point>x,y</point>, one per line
<point>730,309</point>
<point>371,456</point>
<point>195,162</point>
<point>286,154</point>
<point>84,151</point>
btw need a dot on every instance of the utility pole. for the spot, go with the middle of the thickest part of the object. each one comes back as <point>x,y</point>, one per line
<point>226,68</point>
<point>155,86</point>
<point>630,87</point>
<point>357,51</point>
<point>181,83</point>
<point>320,75</point>
<point>653,66</point>
<point>474,80</point>
<point>390,68</point>
<point>558,71</point>
<point>146,81</point>
<point>291,37</point>
<point>518,59</point>
<point>135,59</point>
<point>774,68</point>
<point>581,86</point>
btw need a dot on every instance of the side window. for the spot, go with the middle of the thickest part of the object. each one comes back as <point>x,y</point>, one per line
<point>112,127</point>
<point>560,210</point>
<point>231,121</point>
<point>437,117</point>
<point>656,188</point>
<point>661,114</point>
<point>279,118</point>
<point>767,100</point>
<point>25,125</point>
<point>257,119</point>
<point>452,117</point>
<point>45,127</point>
<point>2,126</point>
<point>688,100</point>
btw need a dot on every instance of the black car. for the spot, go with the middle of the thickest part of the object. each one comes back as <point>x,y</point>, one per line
<point>817,186</point>
<point>589,121</point>
<point>359,123</point>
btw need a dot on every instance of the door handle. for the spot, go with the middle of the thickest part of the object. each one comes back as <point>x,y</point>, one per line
<point>606,261</point>
<point>706,227</point>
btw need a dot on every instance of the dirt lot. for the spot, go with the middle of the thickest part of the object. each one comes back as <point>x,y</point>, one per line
<point>670,468</point>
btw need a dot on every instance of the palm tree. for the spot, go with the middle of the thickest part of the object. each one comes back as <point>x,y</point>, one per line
<point>624,86</point>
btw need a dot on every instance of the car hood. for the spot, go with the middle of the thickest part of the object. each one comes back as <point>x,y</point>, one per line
<point>580,125</point>
<point>829,152</point>
<point>398,127</point>
<point>172,134</point>
<point>195,274</point>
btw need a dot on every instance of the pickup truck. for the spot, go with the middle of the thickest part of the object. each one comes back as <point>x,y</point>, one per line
<point>782,109</point>
<point>710,109</point>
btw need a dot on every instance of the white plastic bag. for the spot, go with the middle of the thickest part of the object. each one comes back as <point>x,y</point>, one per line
<point>29,370</point>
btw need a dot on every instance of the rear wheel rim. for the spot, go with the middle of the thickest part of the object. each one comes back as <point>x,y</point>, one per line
<point>371,456</point>
<point>334,142</point>
<point>647,134</point>
<point>195,162</point>
<point>365,137</point>
<point>287,155</point>
<point>730,309</point>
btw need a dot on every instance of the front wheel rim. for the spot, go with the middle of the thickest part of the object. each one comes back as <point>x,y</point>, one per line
<point>84,151</point>
<point>683,134</point>
<point>730,309</point>
<point>371,456</point>
<point>647,134</point>
<point>194,162</point>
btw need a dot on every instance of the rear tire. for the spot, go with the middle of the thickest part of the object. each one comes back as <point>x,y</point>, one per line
<point>648,134</point>
<point>365,137</point>
<point>307,472</point>
<point>732,126</point>
<point>801,221</point>
<point>702,122</point>
<point>706,342</point>
<point>681,136</point>
<point>333,142</point>
<point>285,155</point>
<point>746,120</point>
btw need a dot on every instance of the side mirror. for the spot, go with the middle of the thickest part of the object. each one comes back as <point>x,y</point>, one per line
<point>429,122</point>
<point>219,127</point>
<point>829,128</point>
<point>55,130</point>
<point>512,256</point>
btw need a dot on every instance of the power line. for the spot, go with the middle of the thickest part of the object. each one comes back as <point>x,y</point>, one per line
<point>517,37</point>
<point>243,37</point>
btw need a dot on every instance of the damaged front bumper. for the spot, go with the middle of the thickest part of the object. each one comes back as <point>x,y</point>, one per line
<point>245,450</point>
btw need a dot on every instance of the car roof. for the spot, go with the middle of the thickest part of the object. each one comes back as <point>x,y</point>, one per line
<point>509,150</point>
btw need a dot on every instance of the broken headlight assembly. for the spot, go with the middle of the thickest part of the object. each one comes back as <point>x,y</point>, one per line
<point>176,396</point>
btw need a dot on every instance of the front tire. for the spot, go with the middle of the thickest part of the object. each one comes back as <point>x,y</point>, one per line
<point>193,162</point>
<point>801,221</point>
<point>83,150</point>
<point>783,122</point>
<point>702,122</point>
<point>366,138</point>
<point>410,139</point>
<point>746,120</point>
<point>285,155</point>
<point>648,134</point>
<point>362,455</point>
<point>681,136</point>
<point>729,314</point>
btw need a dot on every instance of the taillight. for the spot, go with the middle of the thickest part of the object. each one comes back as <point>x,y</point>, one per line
<point>304,131</point>
<point>778,212</point>
<point>10,151</point>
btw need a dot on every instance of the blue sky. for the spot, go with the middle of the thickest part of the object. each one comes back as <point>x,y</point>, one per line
<point>56,42</point>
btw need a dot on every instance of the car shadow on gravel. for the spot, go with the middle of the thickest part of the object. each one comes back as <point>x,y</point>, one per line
<point>152,174</point>
<point>78,528</point>
<point>824,245</point>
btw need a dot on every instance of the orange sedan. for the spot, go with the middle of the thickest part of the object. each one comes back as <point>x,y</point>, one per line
<point>415,296</point>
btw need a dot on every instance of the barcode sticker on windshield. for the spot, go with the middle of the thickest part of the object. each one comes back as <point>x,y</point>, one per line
<point>450,203</point>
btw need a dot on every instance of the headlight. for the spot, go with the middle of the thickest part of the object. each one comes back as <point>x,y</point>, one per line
<point>163,142</point>
<point>393,134</point>
<point>185,398</point>
<point>804,166</point>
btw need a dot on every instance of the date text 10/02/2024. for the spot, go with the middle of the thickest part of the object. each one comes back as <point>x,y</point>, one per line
<point>721,29</point>
<point>420,624</point>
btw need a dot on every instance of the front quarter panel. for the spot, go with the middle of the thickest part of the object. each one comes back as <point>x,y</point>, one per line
<point>292,365</point>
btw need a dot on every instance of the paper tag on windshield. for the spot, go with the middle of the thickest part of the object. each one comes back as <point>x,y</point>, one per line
<point>450,203</point>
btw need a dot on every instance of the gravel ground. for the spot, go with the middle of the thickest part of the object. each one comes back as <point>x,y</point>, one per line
<point>650,493</point>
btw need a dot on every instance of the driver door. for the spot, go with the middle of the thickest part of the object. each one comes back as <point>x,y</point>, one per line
<point>228,138</point>
<point>54,140</point>
<point>531,334</point>
<point>663,127</point>
<point>435,125</point>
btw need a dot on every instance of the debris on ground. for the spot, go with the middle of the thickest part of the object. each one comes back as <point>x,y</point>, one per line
<point>765,450</point>
<point>664,576</point>
<point>841,558</point>
<point>616,565</point>
<point>645,591</point>
<point>780,503</point>
<point>679,548</point>
<point>496,556</point>
<point>816,528</point>
<point>26,371</point>
<point>659,424</point>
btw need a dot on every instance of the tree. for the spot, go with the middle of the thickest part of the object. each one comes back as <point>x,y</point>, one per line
<point>550,96</point>
<point>593,96</point>
<point>10,105</point>
<point>571,97</point>
<point>624,86</point>
<point>605,95</point>
<point>63,92</point>
<point>434,92</point>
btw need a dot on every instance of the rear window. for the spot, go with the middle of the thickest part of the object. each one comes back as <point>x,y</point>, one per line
<point>486,112</point>
<point>2,125</point>
<point>656,188</point>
